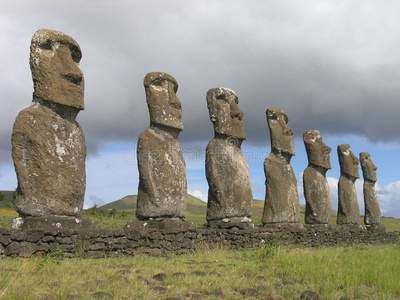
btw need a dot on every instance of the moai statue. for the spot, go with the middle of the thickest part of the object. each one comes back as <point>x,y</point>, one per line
<point>230,193</point>
<point>162,169</point>
<point>372,210</point>
<point>48,145</point>
<point>348,210</point>
<point>315,185</point>
<point>281,198</point>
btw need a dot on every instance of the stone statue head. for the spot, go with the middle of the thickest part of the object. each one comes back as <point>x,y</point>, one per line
<point>368,167</point>
<point>164,106</point>
<point>225,113</point>
<point>317,151</point>
<point>281,133</point>
<point>57,76</point>
<point>348,161</point>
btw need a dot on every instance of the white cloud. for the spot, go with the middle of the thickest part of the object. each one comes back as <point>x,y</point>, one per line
<point>389,199</point>
<point>198,194</point>
<point>92,200</point>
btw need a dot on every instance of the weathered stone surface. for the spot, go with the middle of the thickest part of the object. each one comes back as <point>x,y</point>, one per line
<point>54,61</point>
<point>230,193</point>
<point>21,249</point>
<point>275,297</point>
<point>281,198</point>
<point>65,222</point>
<point>315,185</point>
<point>348,210</point>
<point>161,223</point>
<point>4,238</point>
<point>375,227</point>
<point>372,209</point>
<point>162,169</point>
<point>249,292</point>
<point>104,243</point>
<point>288,227</point>
<point>160,276</point>
<point>48,145</point>
<point>16,223</point>
<point>230,223</point>
<point>310,295</point>
<point>321,227</point>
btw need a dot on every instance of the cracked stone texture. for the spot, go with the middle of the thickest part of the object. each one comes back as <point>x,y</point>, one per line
<point>348,210</point>
<point>230,193</point>
<point>48,145</point>
<point>372,209</point>
<point>162,170</point>
<point>315,185</point>
<point>281,197</point>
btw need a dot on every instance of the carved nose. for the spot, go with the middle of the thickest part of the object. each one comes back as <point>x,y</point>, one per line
<point>70,69</point>
<point>236,112</point>
<point>174,100</point>
<point>327,150</point>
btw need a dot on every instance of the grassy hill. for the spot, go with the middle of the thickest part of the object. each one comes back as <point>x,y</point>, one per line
<point>126,203</point>
<point>195,206</point>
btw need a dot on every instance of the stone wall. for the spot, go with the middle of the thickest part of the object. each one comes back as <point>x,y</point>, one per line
<point>102,243</point>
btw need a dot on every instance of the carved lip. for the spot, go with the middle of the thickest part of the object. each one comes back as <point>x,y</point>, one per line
<point>73,78</point>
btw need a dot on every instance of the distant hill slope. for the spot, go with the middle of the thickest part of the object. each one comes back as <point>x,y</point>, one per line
<point>126,203</point>
<point>195,206</point>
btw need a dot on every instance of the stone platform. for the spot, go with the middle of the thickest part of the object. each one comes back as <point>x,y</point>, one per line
<point>93,243</point>
<point>49,222</point>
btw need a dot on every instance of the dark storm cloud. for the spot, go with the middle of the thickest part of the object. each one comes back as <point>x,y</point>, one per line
<point>333,66</point>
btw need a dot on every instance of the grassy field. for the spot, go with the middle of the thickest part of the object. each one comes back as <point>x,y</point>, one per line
<point>357,272</point>
<point>360,272</point>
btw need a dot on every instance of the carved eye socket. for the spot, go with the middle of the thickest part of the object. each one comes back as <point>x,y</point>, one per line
<point>157,82</point>
<point>222,97</point>
<point>273,116</point>
<point>75,54</point>
<point>46,45</point>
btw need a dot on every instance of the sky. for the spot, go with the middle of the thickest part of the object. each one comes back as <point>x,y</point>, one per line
<point>333,66</point>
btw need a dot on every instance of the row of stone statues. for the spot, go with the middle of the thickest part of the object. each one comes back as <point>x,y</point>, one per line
<point>49,154</point>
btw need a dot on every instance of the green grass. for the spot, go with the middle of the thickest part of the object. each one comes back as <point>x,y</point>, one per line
<point>391,224</point>
<point>359,272</point>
